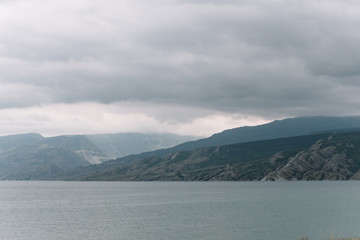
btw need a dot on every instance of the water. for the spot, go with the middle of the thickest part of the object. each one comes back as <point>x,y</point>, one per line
<point>179,210</point>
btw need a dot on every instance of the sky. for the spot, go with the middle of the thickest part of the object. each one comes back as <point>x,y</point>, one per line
<point>190,67</point>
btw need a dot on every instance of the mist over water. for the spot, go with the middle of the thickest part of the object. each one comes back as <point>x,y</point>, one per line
<point>178,210</point>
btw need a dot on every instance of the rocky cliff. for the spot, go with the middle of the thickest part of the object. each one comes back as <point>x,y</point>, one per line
<point>334,158</point>
<point>311,157</point>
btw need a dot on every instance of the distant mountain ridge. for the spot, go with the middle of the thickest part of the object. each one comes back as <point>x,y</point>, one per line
<point>310,157</point>
<point>242,161</point>
<point>31,156</point>
<point>123,144</point>
<point>276,129</point>
<point>14,141</point>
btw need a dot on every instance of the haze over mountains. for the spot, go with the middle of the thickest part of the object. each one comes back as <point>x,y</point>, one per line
<point>310,157</point>
<point>274,151</point>
<point>32,156</point>
<point>276,129</point>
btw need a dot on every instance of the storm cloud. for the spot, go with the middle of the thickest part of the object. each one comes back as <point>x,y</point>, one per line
<point>178,62</point>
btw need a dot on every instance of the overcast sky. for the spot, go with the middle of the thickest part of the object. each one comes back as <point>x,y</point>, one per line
<point>188,67</point>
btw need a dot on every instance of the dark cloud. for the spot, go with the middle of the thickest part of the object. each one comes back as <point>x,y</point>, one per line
<point>265,58</point>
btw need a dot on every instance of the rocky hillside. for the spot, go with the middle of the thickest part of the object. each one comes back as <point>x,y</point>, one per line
<point>48,156</point>
<point>334,158</point>
<point>311,157</point>
<point>224,156</point>
<point>31,156</point>
<point>288,127</point>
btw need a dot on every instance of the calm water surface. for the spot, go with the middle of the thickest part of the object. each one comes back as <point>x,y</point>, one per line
<point>178,210</point>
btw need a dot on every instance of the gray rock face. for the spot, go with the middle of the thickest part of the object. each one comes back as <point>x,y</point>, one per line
<point>329,159</point>
<point>224,156</point>
<point>311,157</point>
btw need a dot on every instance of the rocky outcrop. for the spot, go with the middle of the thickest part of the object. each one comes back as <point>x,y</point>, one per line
<point>330,159</point>
<point>312,157</point>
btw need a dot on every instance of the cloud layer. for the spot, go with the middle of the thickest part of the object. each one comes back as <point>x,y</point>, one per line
<point>235,59</point>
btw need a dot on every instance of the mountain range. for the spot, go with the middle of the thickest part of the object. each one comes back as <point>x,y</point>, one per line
<point>32,156</point>
<point>235,154</point>
<point>304,148</point>
<point>310,157</point>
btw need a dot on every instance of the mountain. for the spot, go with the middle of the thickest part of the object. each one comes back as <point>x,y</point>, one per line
<point>323,156</point>
<point>19,140</point>
<point>123,144</point>
<point>334,158</point>
<point>45,157</point>
<point>86,150</point>
<point>31,156</point>
<point>277,129</point>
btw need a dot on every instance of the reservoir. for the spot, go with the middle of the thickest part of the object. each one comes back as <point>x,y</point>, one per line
<point>179,210</point>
